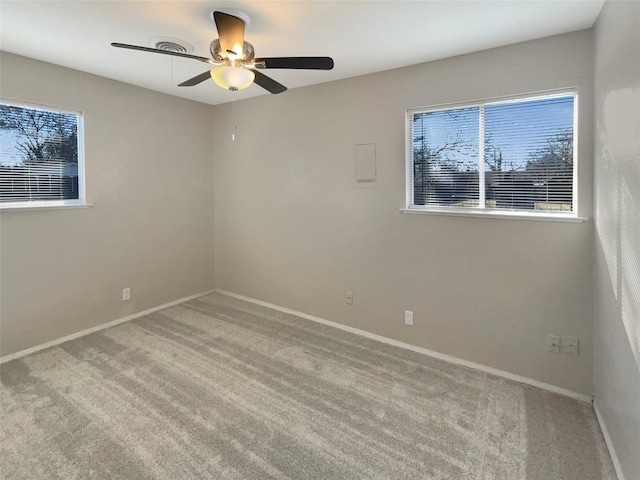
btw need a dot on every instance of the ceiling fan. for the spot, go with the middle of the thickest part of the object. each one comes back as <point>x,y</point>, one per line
<point>235,65</point>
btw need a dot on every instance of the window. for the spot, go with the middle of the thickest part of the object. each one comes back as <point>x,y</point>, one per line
<point>503,157</point>
<point>41,161</point>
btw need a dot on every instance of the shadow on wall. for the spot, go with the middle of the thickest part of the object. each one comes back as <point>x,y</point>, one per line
<point>618,207</point>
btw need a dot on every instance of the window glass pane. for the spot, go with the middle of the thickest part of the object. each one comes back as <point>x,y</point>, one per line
<point>514,155</point>
<point>445,157</point>
<point>529,154</point>
<point>38,154</point>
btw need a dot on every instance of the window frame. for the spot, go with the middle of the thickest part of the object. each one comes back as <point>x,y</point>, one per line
<point>79,202</point>
<point>483,211</point>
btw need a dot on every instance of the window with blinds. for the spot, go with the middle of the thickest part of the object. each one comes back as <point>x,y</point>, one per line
<point>502,156</point>
<point>40,156</point>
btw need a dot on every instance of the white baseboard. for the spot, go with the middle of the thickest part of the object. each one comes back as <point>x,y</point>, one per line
<point>607,441</point>
<point>364,333</point>
<point>82,333</point>
<point>424,351</point>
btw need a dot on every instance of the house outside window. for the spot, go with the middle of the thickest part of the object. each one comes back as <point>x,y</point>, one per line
<point>509,157</point>
<point>41,156</point>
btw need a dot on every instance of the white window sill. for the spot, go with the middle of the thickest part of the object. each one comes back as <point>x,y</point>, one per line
<point>28,206</point>
<point>509,215</point>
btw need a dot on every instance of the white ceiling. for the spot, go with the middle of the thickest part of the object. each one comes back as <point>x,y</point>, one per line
<point>362,36</point>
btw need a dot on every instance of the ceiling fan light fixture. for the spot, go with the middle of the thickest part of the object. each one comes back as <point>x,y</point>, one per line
<point>236,65</point>
<point>232,78</point>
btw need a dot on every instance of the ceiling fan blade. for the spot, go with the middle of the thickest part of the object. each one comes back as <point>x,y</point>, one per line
<point>165,52</point>
<point>306,63</point>
<point>196,80</point>
<point>231,33</point>
<point>268,83</point>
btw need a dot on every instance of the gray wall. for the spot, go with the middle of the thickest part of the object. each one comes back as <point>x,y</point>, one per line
<point>292,230</point>
<point>149,170</point>
<point>617,212</point>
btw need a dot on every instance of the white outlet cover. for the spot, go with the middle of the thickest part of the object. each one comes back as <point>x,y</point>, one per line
<point>570,345</point>
<point>553,344</point>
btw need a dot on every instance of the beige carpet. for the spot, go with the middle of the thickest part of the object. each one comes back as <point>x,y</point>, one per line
<point>217,388</point>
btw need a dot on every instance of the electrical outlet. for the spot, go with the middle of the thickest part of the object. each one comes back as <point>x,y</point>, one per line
<point>553,344</point>
<point>349,298</point>
<point>126,294</point>
<point>569,345</point>
<point>408,317</point>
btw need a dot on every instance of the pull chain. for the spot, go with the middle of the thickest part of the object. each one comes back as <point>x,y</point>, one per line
<point>233,115</point>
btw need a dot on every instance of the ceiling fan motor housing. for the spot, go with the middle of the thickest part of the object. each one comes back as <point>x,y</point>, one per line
<point>248,53</point>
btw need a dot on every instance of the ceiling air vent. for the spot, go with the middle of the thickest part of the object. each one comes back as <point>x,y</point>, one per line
<point>171,45</point>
